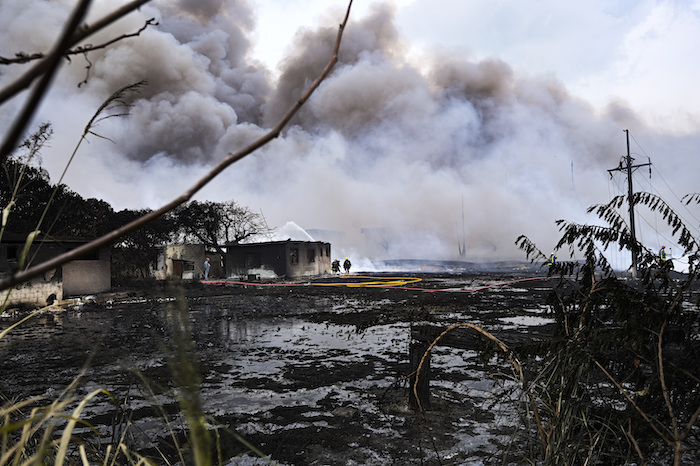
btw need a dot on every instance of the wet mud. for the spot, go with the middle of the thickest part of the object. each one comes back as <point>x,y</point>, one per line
<point>303,374</point>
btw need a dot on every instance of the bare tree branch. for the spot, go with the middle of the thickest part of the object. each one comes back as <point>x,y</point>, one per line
<point>52,62</point>
<point>232,158</point>
<point>85,49</point>
<point>78,34</point>
<point>21,58</point>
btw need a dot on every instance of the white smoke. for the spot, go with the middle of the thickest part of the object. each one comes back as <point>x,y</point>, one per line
<point>384,144</point>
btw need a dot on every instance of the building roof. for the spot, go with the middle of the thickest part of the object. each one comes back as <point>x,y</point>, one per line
<point>271,243</point>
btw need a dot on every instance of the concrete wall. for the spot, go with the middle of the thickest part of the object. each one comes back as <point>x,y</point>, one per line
<point>37,291</point>
<point>314,258</point>
<point>88,276</point>
<point>84,276</point>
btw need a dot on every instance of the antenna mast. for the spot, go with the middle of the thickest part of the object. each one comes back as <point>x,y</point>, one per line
<point>628,168</point>
<point>463,246</point>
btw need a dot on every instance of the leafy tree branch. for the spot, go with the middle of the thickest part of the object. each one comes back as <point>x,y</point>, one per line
<point>618,380</point>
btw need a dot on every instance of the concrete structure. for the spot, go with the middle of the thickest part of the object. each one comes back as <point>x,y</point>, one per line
<point>278,259</point>
<point>87,275</point>
<point>185,261</point>
<point>180,261</point>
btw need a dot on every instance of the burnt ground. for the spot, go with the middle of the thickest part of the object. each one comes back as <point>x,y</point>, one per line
<point>304,373</point>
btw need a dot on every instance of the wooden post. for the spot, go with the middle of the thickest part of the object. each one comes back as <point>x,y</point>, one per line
<point>416,351</point>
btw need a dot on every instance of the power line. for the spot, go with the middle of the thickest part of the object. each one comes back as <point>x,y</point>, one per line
<point>657,172</point>
<point>626,165</point>
<point>683,204</point>
<point>652,189</point>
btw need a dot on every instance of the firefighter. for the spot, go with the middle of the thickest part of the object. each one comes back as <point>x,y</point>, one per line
<point>346,265</point>
<point>335,267</point>
<point>665,261</point>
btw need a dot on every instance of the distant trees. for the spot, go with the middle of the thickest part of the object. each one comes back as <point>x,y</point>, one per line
<point>32,202</point>
<point>135,253</point>
<point>213,224</point>
<point>217,223</point>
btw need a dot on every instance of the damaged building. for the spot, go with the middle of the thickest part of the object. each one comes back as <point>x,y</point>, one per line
<point>278,259</point>
<point>185,261</point>
<point>87,275</point>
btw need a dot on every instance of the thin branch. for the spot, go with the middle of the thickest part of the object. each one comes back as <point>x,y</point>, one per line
<point>662,379</point>
<point>114,97</point>
<point>79,34</point>
<point>21,58</point>
<point>232,158</point>
<point>690,424</point>
<point>52,62</point>
<point>91,48</point>
<point>635,405</point>
<point>630,435</point>
<point>516,364</point>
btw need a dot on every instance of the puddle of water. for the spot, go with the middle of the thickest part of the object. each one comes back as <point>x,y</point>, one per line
<point>276,350</point>
<point>525,321</point>
<point>253,365</point>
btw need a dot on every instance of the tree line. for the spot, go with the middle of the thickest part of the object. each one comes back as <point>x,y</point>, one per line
<point>32,202</point>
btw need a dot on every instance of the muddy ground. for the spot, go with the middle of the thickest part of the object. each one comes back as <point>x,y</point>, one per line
<point>306,374</point>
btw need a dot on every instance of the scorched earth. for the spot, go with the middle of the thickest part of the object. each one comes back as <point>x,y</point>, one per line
<point>302,373</point>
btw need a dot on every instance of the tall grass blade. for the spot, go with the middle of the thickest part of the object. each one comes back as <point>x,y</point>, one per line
<point>68,431</point>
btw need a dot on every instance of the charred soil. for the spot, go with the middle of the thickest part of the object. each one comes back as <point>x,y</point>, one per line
<point>307,373</point>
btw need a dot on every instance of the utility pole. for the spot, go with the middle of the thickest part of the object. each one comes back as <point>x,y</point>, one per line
<point>628,168</point>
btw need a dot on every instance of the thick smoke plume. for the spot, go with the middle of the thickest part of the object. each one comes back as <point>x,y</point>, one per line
<point>387,145</point>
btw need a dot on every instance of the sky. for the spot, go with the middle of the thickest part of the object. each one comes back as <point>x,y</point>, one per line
<point>443,122</point>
